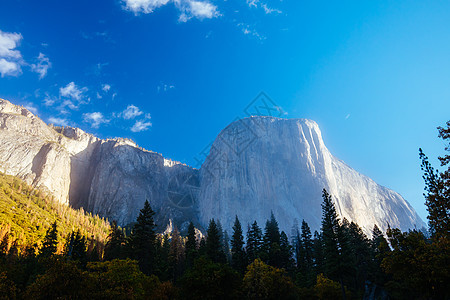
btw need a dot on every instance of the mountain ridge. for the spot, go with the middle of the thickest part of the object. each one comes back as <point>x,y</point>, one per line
<point>281,165</point>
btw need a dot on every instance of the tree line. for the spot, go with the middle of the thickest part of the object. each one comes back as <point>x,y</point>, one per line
<point>337,262</point>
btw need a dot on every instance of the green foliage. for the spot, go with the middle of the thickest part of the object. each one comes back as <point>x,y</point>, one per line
<point>62,280</point>
<point>75,247</point>
<point>50,242</point>
<point>418,266</point>
<point>209,280</point>
<point>27,213</point>
<point>120,279</point>
<point>115,243</point>
<point>266,282</point>
<point>328,289</point>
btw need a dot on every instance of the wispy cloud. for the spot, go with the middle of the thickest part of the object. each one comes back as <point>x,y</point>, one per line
<point>141,126</point>
<point>58,121</point>
<point>188,8</point>
<point>347,116</point>
<point>71,90</point>
<point>165,87</point>
<point>264,6</point>
<point>95,119</point>
<point>42,66</point>
<point>131,112</point>
<point>106,87</point>
<point>247,30</point>
<point>10,58</point>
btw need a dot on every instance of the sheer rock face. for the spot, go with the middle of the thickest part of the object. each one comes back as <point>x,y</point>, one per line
<point>262,164</point>
<point>255,166</point>
<point>110,177</point>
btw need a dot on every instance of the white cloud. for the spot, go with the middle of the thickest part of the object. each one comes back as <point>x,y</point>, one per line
<point>131,112</point>
<point>58,121</point>
<point>42,66</point>
<point>196,9</point>
<point>71,90</point>
<point>141,126</point>
<point>95,119</point>
<point>144,6</point>
<point>106,87</point>
<point>10,59</point>
<point>99,96</point>
<point>188,8</point>
<point>49,100</point>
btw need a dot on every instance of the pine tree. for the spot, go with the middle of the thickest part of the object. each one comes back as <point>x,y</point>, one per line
<point>214,248</point>
<point>437,187</point>
<point>191,251</point>
<point>75,247</point>
<point>114,248</point>
<point>142,239</point>
<point>305,261</point>
<point>238,259</point>
<point>332,234</point>
<point>272,242</point>
<point>254,242</point>
<point>50,243</point>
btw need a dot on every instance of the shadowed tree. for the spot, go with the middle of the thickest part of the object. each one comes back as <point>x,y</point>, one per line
<point>214,247</point>
<point>115,244</point>
<point>238,259</point>
<point>254,242</point>
<point>191,251</point>
<point>142,239</point>
<point>50,244</point>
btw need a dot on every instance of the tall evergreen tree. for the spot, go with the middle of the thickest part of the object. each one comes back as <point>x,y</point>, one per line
<point>332,236</point>
<point>272,242</point>
<point>191,251</point>
<point>214,248</point>
<point>75,247</point>
<point>305,261</point>
<point>238,259</point>
<point>115,243</point>
<point>254,242</point>
<point>142,239</point>
<point>50,243</point>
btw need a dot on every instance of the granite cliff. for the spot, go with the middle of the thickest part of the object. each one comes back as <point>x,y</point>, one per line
<point>256,165</point>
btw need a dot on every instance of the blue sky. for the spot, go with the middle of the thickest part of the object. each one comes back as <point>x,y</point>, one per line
<point>375,75</point>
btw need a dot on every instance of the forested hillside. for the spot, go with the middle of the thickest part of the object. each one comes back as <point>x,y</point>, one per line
<point>27,213</point>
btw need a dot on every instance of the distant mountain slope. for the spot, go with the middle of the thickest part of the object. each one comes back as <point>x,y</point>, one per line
<point>111,177</point>
<point>27,213</point>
